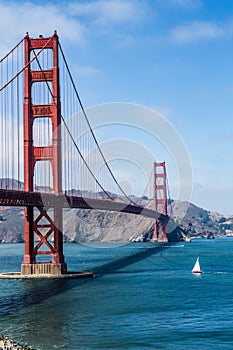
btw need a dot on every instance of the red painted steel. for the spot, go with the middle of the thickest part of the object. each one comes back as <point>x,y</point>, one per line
<point>51,200</point>
<point>52,153</point>
<point>47,226</point>
<point>160,200</point>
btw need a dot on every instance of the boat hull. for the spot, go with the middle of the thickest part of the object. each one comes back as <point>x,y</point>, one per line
<point>196,272</point>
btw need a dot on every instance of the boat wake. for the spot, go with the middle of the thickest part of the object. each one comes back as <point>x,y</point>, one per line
<point>173,246</point>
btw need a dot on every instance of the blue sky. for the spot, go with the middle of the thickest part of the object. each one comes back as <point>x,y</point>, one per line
<point>174,56</point>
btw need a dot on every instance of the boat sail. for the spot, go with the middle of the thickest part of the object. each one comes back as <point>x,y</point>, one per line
<point>196,267</point>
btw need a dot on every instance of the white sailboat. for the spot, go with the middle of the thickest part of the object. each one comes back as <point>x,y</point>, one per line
<point>196,267</point>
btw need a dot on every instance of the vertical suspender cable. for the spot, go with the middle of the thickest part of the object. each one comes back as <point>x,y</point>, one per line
<point>11,147</point>
<point>17,123</point>
<point>93,135</point>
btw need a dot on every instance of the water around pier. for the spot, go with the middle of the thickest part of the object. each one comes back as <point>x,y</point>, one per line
<point>142,297</point>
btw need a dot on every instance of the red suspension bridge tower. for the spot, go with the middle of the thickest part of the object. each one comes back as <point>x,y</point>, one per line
<point>45,225</point>
<point>43,167</point>
<point>160,200</point>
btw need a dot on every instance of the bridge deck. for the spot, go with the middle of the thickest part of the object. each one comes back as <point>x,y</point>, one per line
<point>48,200</point>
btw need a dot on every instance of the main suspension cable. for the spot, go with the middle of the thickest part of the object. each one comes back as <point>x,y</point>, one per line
<point>91,130</point>
<point>75,144</point>
<point>147,185</point>
<point>26,65</point>
<point>15,47</point>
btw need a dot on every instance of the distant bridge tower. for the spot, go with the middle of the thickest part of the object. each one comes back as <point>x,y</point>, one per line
<point>160,200</point>
<point>45,226</point>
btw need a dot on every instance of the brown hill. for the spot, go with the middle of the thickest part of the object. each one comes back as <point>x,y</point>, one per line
<point>93,225</point>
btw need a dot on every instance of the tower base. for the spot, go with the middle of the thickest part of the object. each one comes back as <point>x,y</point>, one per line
<point>43,269</point>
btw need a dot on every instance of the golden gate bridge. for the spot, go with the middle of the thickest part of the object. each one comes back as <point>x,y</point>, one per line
<point>50,157</point>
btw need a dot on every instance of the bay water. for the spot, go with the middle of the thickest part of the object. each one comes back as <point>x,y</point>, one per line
<point>143,296</point>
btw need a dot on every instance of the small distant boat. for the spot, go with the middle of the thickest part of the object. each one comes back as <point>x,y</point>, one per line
<point>196,267</point>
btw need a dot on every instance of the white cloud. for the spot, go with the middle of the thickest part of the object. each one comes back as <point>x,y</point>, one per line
<point>110,11</point>
<point>201,30</point>
<point>74,21</point>
<point>18,18</point>
<point>123,41</point>
<point>187,4</point>
<point>196,31</point>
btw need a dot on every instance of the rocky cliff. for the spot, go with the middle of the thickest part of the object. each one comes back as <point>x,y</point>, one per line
<point>93,225</point>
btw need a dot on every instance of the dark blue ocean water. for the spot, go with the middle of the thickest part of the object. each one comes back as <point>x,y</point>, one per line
<point>142,297</point>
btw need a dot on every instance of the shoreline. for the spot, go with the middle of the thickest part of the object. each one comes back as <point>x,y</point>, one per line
<point>8,344</point>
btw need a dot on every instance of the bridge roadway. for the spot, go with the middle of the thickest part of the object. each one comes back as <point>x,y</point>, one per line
<point>51,200</point>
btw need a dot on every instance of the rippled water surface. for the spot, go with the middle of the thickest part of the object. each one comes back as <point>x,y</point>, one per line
<point>142,297</point>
